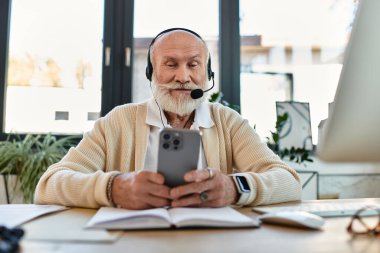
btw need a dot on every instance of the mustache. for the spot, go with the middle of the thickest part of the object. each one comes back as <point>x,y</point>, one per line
<point>174,86</point>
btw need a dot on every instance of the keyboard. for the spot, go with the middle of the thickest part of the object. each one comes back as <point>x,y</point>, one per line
<point>324,209</point>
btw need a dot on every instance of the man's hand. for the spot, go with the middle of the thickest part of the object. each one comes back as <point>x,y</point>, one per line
<point>140,190</point>
<point>220,189</point>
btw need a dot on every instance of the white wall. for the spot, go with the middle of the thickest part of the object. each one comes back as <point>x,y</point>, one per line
<point>346,180</point>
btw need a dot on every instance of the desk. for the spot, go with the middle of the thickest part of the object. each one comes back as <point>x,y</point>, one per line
<point>268,238</point>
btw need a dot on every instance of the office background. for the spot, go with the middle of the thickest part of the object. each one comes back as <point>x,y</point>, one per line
<point>63,64</point>
<point>95,51</point>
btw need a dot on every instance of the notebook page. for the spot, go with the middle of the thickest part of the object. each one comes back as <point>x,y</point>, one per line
<point>216,217</point>
<point>118,218</point>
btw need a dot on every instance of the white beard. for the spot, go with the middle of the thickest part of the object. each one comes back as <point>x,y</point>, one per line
<point>182,105</point>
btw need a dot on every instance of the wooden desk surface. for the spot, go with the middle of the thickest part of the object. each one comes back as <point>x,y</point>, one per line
<point>268,238</point>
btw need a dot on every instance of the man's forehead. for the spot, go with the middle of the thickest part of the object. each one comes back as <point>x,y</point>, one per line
<point>189,56</point>
<point>179,40</point>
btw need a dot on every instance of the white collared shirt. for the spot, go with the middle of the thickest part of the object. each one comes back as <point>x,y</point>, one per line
<point>202,119</point>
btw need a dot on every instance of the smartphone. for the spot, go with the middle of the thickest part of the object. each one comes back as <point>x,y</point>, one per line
<point>178,153</point>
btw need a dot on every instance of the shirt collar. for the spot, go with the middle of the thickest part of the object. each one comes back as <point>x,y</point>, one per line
<point>202,115</point>
<point>153,115</point>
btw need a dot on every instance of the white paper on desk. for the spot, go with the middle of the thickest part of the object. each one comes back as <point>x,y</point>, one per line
<point>13,215</point>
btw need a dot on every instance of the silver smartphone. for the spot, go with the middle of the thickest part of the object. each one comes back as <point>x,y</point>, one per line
<point>178,153</point>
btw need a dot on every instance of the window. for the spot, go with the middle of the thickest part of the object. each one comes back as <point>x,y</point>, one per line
<point>54,66</point>
<point>292,51</point>
<point>69,62</point>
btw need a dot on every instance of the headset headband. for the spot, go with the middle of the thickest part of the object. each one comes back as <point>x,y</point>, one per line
<point>149,67</point>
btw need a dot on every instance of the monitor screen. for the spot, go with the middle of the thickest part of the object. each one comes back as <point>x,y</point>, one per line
<point>352,131</point>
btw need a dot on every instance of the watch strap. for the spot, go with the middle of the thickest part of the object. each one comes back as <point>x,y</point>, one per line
<point>244,196</point>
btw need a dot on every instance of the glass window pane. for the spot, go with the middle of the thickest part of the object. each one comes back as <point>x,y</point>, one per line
<point>291,52</point>
<point>154,16</point>
<point>55,64</point>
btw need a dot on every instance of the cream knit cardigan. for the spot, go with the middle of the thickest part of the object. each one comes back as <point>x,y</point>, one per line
<point>118,142</point>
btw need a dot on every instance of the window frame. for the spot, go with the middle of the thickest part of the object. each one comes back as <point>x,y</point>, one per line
<point>5,10</point>
<point>229,50</point>
<point>117,78</point>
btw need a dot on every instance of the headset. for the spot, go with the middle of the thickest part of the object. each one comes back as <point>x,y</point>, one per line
<point>197,93</point>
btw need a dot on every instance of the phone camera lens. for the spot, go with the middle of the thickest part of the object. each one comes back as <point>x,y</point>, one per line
<point>176,142</point>
<point>166,145</point>
<point>166,136</point>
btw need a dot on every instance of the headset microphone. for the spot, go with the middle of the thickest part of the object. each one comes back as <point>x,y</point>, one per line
<point>198,93</point>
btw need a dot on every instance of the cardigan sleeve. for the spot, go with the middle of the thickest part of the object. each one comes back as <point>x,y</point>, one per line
<point>79,179</point>
<point>273,180</point>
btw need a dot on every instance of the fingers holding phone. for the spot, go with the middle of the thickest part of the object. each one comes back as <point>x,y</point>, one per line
<point>140,190</point>
<point>178,158</point>
<point>199,175</point>
<point>206,188</point>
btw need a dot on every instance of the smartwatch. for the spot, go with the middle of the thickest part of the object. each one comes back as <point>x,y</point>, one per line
<point>243,188</point>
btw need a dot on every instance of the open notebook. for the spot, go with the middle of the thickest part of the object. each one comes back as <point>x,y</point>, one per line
<point>158,218</point>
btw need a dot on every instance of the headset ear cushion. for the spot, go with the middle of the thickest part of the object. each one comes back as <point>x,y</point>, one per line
<point>148,74</point>
<point>149,68</point>
<point>210,74</point>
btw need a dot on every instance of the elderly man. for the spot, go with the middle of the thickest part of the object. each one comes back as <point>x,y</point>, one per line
<point>114,164</point>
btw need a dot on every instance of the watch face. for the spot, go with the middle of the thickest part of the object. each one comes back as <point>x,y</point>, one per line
<point>243,183</point>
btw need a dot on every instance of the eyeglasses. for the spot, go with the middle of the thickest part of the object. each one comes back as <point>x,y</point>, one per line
<point>362,224</point>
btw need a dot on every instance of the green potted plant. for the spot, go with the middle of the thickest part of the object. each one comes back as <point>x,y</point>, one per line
<point>29,157</point>
<point>298,155</point>
<point>218,97</point>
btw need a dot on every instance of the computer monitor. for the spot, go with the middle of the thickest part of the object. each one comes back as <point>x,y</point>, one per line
<point>352,131</point>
